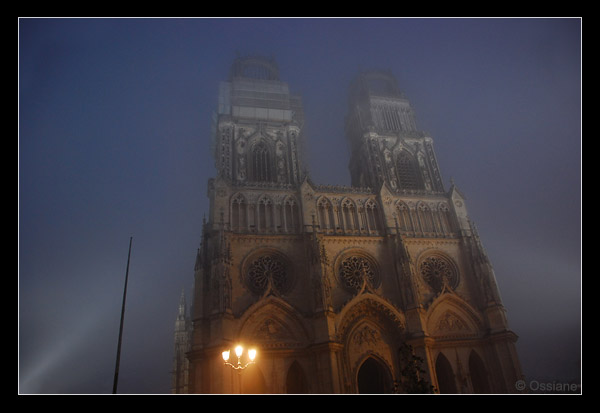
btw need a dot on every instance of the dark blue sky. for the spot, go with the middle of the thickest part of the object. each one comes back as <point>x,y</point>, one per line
<point>114,141</point>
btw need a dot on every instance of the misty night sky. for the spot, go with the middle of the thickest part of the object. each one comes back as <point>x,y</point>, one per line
<point>114,141</point>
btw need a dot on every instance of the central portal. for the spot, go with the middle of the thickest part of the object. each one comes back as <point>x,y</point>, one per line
<point>374,378</point>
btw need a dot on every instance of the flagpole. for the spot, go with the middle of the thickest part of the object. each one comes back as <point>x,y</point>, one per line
<point>116,379</point>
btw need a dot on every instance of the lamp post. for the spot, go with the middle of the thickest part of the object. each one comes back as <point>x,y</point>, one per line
<point>239,367</point>
<point>239,350</point>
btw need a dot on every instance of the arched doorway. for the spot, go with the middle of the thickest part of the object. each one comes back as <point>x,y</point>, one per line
<point>295,382</point>
<point>445,375</point>
<point>374,377</point>
<point>478,374</point>
<point>253,381</point>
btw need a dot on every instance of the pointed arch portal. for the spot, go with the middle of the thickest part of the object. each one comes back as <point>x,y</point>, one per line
<point>295,382</point>
<point>252,381</point>
<point>445,375</point>
<point>478,374</point>
<point>374,378</point>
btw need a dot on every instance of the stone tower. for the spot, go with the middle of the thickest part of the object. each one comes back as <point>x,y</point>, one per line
<point>180,373</point>
<point>333,285</point>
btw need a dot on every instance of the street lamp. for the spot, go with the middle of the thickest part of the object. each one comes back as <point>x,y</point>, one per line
<point>239,350</point>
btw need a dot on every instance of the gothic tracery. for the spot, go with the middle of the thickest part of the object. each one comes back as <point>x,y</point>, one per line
<point>406,171</point>
<point>438,271</point>
<point>356,270</point>
<point>267,270</point>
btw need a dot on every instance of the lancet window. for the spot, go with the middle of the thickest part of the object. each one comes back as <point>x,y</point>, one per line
<point>262,168</point>
<point>291,215</point>
<point>426,219</point>
<point>350,219</point>
<point>445,219</point>
<point>326,220</point>
<point>408,175</point>
<point>405,223</point>
<point>265,215</point>
<point>239,213</point>
<point>372,216</point>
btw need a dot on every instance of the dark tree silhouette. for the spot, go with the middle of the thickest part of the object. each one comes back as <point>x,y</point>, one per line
<point>411,380</point>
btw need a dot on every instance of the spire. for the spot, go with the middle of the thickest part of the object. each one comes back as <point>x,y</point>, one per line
<point>182,346</point>
<point>182,306</point>
<point>198,263</point>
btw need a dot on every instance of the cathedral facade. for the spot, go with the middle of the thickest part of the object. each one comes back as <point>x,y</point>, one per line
<point>370,288</point>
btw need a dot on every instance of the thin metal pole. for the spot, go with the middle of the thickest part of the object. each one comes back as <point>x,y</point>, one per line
<point>116,379</point>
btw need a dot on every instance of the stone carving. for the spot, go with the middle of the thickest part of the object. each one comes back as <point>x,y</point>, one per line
<point>366,335</point>
<point>240,148</point>
<point>224,151</point>
<point>433,163</point>
<point>424,170</point>
<point>280,162</point>
<point>271,330</point>
<point>343,189</point>
<point>382,314</point>
<point>451,322</point>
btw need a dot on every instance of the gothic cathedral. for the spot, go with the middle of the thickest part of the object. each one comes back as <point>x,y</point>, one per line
<point>380,287</point>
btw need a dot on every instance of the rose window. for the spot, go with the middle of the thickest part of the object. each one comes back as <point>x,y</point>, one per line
<point>264,270</point>
<point>354,271</point>
<point>437,272</point>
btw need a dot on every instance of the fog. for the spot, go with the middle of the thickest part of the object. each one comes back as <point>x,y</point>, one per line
<point>114,141</point>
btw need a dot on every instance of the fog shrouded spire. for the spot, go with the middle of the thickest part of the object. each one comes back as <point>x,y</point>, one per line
<point>258,126</point>
<point>385,143</point>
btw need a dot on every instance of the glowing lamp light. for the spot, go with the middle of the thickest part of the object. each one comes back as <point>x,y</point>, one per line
<point>239,350</point>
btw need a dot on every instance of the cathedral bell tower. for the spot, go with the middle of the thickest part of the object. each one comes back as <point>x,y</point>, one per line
<point>257,126</point>
<point>385,143</point>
